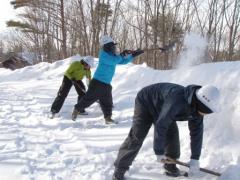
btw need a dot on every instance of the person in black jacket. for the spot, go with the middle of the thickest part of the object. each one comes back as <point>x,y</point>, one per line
<point>163,104</point>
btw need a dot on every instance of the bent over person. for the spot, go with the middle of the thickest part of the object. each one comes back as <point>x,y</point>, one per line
<point>73,76</point>
<point>162,105</point>
<point>100,86</point>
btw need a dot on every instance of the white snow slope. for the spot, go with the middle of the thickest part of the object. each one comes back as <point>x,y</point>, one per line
<point>34,147</point>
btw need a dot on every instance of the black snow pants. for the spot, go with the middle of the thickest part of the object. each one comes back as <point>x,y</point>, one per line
<point>64,90</point>
<point>142,122</point>
<point>97,91</point>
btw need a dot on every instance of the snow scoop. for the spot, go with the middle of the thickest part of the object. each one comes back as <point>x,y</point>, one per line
<point>187,165</point>
<point>164,48</point>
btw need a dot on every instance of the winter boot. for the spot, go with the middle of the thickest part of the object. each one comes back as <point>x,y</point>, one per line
<point>53,114</point>
<point>75,113</point>
<point>118,174</point>
<point>108,120</point>
<point>83,112</point>
<point>172,170</point>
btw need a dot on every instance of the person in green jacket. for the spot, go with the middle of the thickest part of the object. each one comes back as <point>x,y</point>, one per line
<point>73,76</point>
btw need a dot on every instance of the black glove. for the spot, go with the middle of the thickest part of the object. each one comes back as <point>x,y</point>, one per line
<point>126,52</point>
<point>137,52</point>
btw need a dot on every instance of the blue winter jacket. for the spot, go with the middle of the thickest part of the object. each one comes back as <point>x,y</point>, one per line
<point>107,65</point>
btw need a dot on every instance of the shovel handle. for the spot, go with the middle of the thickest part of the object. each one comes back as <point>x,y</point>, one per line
<point>187,165</point>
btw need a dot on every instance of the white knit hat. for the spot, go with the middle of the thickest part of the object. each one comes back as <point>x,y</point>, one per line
<point>209,95</point>
<point>89,60</point>
<point>105,39</point>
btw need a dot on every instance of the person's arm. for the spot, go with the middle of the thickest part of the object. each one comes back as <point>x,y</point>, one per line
<point>196,135</point>
<point>88,77</point>
<point>109,59</point>
<point>126,59</point>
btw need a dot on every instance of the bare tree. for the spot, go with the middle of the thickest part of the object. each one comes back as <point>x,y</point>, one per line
<point>233,22</point>
<point>40,17</point>
<point>55,29</point>
<point>63,27</point>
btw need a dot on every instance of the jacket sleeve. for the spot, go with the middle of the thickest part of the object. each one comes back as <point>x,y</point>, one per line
<point>88,77</point>
<point>109,59</point>
<point>196,134</point>
<point>126,59</point>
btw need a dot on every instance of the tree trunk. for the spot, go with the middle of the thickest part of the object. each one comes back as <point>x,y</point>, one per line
<point>64,32</point>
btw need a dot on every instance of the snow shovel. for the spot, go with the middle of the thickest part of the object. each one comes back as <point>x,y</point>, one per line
<point>187,165</point>
<point>164,48</point>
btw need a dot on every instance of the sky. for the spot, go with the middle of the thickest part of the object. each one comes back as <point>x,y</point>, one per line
<point>6,13</point>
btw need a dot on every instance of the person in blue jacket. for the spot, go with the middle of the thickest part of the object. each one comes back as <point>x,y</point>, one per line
<point>100,86</point>
<point>162,105</point>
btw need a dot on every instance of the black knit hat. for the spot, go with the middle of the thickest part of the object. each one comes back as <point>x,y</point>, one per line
<point>110,47</point>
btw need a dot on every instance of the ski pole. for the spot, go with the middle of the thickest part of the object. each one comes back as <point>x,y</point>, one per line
<point>187,165</point>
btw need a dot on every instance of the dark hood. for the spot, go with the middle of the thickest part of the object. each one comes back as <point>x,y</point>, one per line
<point>189,92</point>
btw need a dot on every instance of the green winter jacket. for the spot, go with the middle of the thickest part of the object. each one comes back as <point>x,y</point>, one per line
<point>76,71</point>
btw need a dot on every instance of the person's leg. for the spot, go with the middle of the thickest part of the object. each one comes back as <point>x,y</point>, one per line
<point>112,99</point>
<point>62,94</point>
<point>105,102</point>
<point>80,88</point>
<point>142,122</point>
<point>172,147</point>
<point>93,93</point>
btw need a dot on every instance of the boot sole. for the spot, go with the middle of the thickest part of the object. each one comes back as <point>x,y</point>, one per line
<point>181,173</point>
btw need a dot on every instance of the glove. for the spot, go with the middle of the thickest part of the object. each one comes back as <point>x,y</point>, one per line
<point>126,52</point>
<point>161,158</point>
<point>137,52</point>
<point>194,168</point>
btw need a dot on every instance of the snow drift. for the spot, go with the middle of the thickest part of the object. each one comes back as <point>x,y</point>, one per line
<point>34,147</point>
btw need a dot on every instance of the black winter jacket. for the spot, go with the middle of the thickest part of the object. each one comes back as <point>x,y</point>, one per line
<point>168,102</point>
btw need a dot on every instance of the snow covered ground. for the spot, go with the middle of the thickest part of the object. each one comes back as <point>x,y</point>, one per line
<point>34,147</point>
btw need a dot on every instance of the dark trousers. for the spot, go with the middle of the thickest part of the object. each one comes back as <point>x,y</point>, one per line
<point>63,92</point>
<point>142,122</point>
<point>97,91</point>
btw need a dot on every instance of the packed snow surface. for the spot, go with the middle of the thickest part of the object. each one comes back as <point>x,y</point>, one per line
<point>34,147</point>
